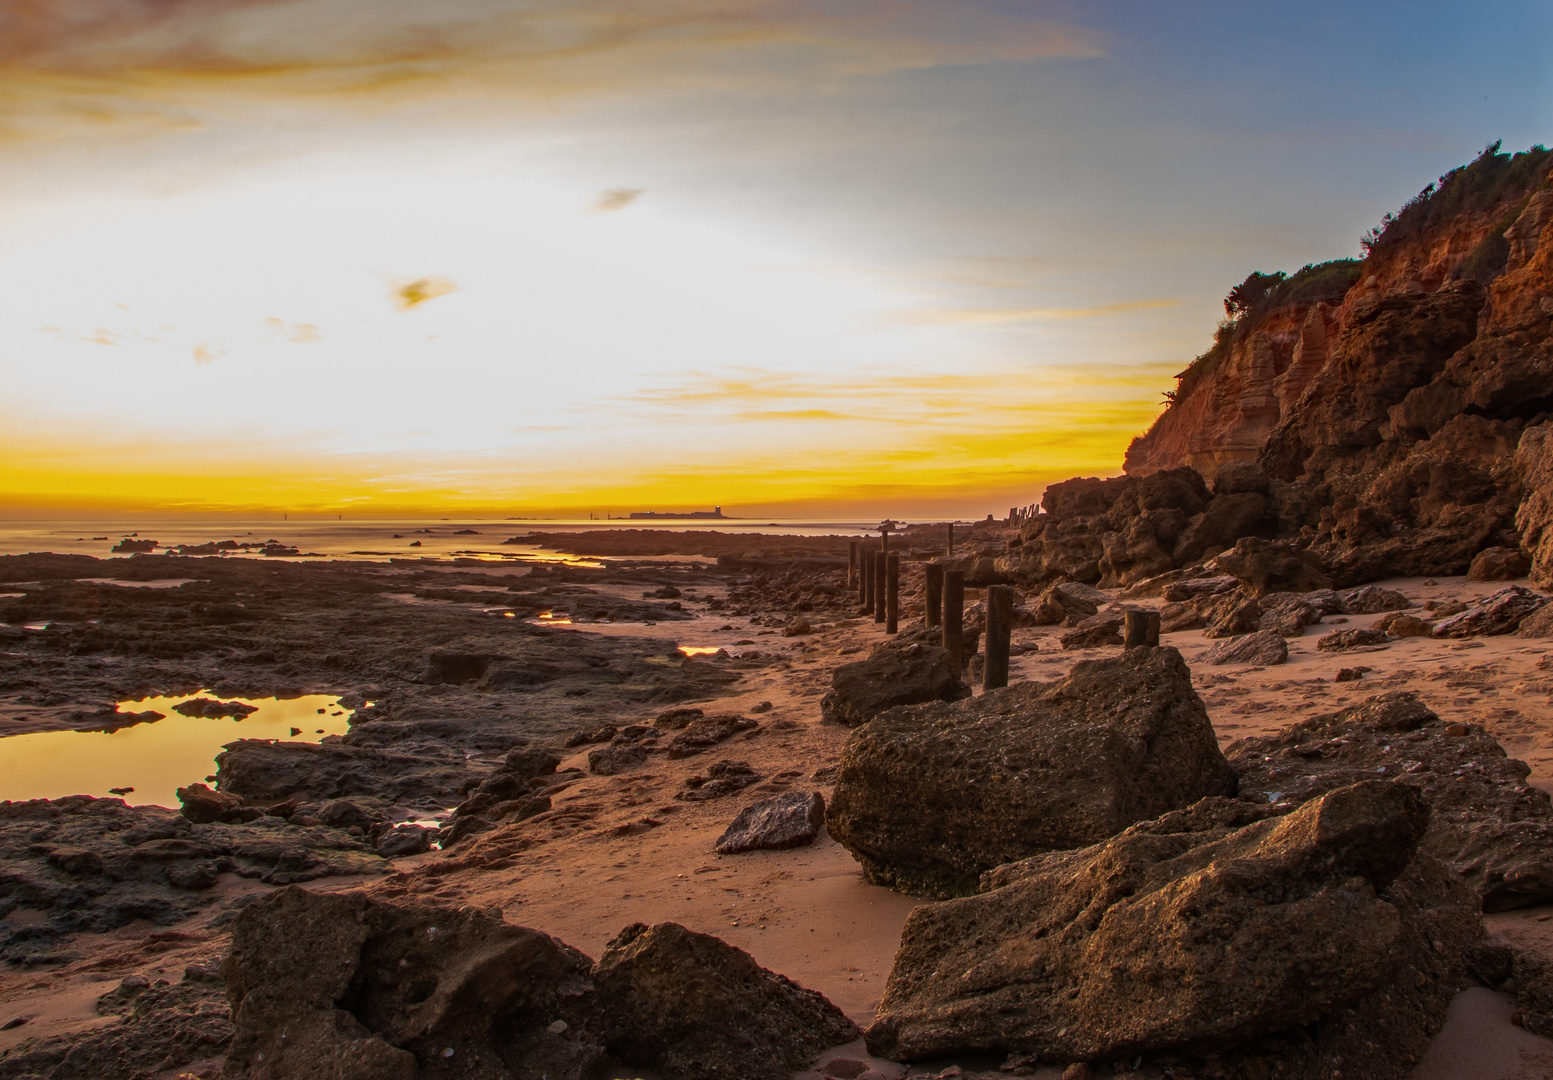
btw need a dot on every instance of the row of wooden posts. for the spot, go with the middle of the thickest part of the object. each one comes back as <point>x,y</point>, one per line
<point>876,574</point>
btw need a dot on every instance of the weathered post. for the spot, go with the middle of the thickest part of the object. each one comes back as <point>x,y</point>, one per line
<point>1140,628</point>
<point>880,565</point>
<point>950,527</point>
<point>954,616</point>
<point>1000,625</point>
<point>868,580</point>
<point>851,563</point>
<point>892,594</point>
<point>934,616</point>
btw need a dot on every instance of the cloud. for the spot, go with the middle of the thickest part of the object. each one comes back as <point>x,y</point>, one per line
<point>205,353</point>
<point>409,294</point>
<point>300,333</point>
<point>616,199</point>
<point>169,63</point>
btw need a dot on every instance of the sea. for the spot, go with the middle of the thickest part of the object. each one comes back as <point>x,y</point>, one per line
<point>366,539</point>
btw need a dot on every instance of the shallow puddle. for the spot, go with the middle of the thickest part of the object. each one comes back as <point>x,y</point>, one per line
<point>156,758</point>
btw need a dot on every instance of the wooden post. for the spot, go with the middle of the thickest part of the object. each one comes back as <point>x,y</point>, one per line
<point>892,594</point>
<point>868,580</point>
<point>1141,628</point>
<point>951,539</point>
<point>954,615</point>
<point>1000,625</point>
<point>934,616</point>
<point>851,563</point>
<point>880,561</point>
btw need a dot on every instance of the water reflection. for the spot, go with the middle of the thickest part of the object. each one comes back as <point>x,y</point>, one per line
<point>146,763</point>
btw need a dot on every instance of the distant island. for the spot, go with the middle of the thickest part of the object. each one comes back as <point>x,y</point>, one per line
<point>714,514</point>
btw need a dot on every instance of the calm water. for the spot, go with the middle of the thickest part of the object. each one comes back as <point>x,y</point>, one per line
<point>366,539</point>
<point>156,758</point>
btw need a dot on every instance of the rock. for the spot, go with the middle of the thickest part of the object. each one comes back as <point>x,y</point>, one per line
<point>1539,624</point>
<point>1265,566</point>
<point>160,1028</point>
<point>1500,613</point>
<point>677,719</point>
<point>701,735</point>
<point>1534,465</point>
<point>1226,519</point>
<point>338,985</point>
<point>1405,626</point>
<point>1094,632</point>
<point>1485,820</point>
<point>1350,639</point>
<point>1240,616</point>
<point>404,840</point>
<point>692,1007</point>
<point>1372,599</point>
<point>786,821</point>
<point>797,627</point>
<point>1177,617</point>
<point>456,667</point>
<point>1351,674</point>
<point>1264,648</point>
<point>215,710</point>
<point>616,758</point>
<point>1234,477</point>
<point>1207,932</point>
<point>722,778</point>
<point>202,805</point>
<point>929,796</point>
<point>344,814</point>
<point>1190,588</point>
<point>1498,564</point>
<point>1067,602</point>
<point>265,772</point>
<point>908,675</point>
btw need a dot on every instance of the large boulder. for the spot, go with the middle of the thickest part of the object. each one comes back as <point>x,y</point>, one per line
<point>908,675</point>
<point>1205,933</point>
<point>1265,566</point>
<point>340,986</point>
<point>693,1007</point>
<point>930,796</point>
<point>1068,603</point>
<point>1495,829</point>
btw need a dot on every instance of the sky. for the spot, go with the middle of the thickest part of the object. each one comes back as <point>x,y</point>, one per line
<point>819,258</point>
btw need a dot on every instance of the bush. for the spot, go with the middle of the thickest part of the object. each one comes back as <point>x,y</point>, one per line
<point>1487,183</point>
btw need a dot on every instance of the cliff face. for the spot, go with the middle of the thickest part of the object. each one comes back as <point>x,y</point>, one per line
<point>1391,415</point>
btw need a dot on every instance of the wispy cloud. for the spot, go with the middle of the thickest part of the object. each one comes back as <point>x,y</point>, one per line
<point>157,61</point>
<point>410,294</point>
<point>616,199</point>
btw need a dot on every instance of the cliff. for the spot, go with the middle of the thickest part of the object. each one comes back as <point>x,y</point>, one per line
<point>1389,415</point>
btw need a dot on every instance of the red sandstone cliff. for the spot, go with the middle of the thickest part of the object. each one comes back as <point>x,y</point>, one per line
<point>1393,416</point>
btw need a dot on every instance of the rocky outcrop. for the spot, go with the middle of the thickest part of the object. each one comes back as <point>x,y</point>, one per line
<point>343,986</point>
<point>1207,932</point>
<point>1485,820</point>
<point>689,1005</point>
<point>264,772</point>
<point>894,675</point>
<point>930,796</point>
<point>1400,421</point>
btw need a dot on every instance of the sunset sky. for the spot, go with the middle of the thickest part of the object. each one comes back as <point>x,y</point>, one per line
<point>381,257</point>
